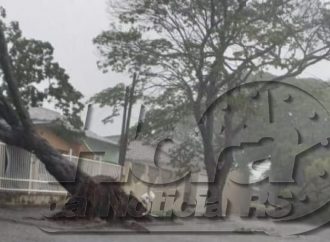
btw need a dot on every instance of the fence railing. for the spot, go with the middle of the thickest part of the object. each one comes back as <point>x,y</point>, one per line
<point>21,171</point>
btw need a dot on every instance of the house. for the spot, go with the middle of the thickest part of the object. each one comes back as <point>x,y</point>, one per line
<point>21,171</point>
<point>148,172</point>
<point>140,152</point>
<point>53,127</point>
<point>100,148</point>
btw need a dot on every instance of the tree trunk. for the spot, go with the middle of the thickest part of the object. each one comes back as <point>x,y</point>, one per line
<point>91,196</point>
<point>217,175</point>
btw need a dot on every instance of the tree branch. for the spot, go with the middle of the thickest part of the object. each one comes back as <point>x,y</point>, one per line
<point>5,64</point>
<point>8,113</point>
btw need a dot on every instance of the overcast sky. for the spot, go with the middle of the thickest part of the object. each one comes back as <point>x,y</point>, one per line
<point>70,25</point>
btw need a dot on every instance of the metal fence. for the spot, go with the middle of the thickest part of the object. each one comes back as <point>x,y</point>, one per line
<point>21,171</point>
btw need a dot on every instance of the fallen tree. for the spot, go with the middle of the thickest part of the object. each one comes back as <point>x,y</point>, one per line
<point>91,196</point>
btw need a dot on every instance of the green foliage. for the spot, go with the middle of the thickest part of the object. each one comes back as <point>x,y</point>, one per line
<point>188,52</point>
<point>113,97</point>
<point>39,77</point>
<point>194,46</point>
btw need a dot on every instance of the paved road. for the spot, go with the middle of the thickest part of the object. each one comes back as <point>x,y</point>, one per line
<point>18,225</point>
<point>19,232</point>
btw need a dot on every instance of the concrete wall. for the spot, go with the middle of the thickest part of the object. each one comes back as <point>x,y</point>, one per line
<point>25,199</point>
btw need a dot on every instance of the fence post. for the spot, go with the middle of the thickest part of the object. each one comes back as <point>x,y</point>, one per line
<point>70,155</point>
<point>31,174</point>
<point>100,168</point>
<point>2,161</point>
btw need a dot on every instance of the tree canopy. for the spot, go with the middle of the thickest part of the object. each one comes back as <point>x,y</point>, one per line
<point>40,78</point>
<point>188,52</point>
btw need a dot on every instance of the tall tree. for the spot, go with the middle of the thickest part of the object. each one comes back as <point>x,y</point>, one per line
<point>39,77</point>
<point>188,52</point>
<point>99,196</point>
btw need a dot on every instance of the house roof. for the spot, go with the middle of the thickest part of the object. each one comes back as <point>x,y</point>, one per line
<point>43,116</point>
<point>91,135</point>
<point>114,138</point>
<point>40,115</point>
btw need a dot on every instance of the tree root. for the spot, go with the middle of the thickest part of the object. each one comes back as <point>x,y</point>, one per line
<point>102,197</point>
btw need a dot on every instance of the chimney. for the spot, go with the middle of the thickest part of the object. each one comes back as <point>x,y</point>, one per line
<point>88,117</point>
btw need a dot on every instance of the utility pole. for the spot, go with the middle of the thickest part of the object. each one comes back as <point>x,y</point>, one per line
<point>142,118</point>
<point>123,129</point>
<point>129,100</point>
